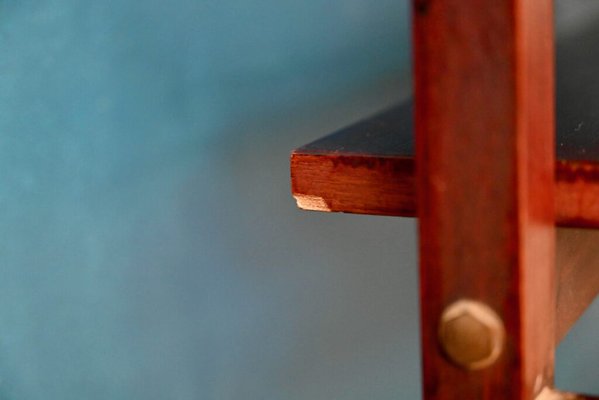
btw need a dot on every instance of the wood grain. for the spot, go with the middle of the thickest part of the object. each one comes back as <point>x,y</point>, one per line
<point>484,105</point>
<point>346,183</point>
<point>484,93</point>
<point>369,167</point>
<point>387,139</point>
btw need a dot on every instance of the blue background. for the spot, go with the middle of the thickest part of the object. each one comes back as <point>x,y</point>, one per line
<point>150,248</point>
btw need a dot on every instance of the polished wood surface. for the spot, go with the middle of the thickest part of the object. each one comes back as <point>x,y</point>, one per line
<point>369,168</point>
<point>484,103</point>
<point>339,171</point>
<point>488,188</point>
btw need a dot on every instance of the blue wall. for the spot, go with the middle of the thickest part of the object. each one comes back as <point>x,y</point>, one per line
<point>149,245</point>
<point>178,72</point>
<point>139,257</point>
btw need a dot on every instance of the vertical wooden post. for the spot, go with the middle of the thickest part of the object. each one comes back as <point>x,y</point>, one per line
<point>484,73</point>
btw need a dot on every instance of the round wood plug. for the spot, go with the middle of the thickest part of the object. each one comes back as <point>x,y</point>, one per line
<point>471,334</point>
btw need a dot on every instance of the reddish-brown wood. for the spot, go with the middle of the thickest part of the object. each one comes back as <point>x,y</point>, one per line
<point>387,139</point>
<point>369,168</point>
<point>577,194</point>
<point>353,183</point>
<point>385,185</point>
<point>485,156</point>
<point>489,189</point>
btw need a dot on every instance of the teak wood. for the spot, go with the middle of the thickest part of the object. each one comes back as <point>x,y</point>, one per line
<point>484,102</point>
<point>487,189</point>
<point>369,167</point>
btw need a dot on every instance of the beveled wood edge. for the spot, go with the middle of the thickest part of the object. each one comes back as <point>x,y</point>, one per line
<point>338,182</point>
<point>577,193</point>
<point>354,184</point>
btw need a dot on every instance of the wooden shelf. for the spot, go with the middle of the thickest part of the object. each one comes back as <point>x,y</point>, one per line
<point>368,168</point>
